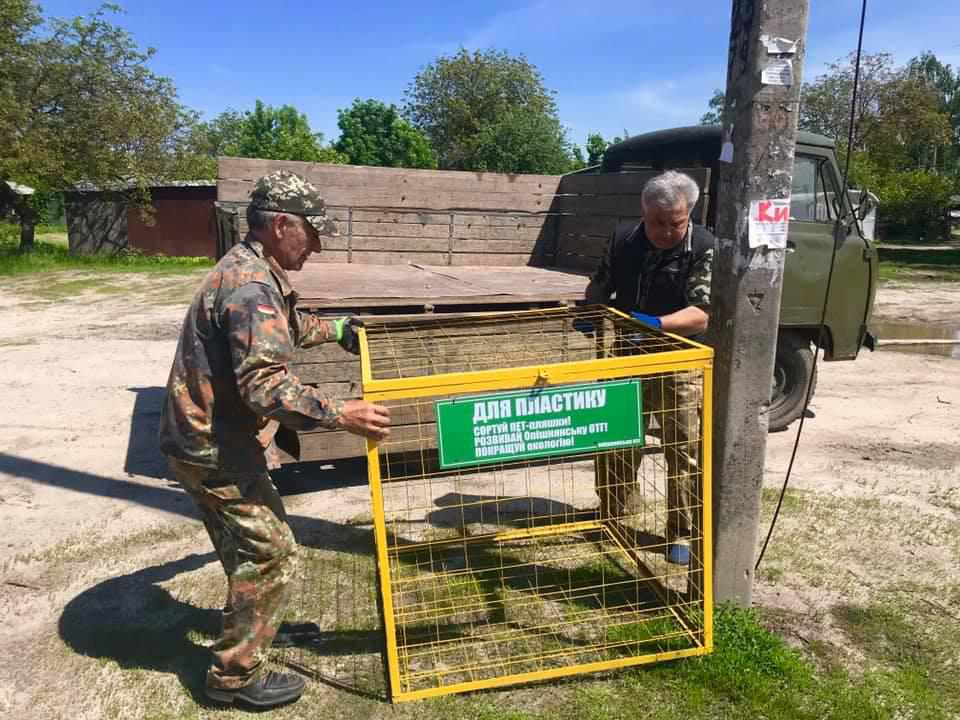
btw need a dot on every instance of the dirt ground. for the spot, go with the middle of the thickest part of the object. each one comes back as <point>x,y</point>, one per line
<point>874,506</point>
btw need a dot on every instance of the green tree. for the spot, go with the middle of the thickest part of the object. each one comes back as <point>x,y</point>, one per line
<point>714,114</point>
<point>265,132</point>
<point>281,133</point>
<point>521,142</point>
<point>901,124</point>
<point>204,142</point>
<point>912,202</point>
<point>78,104</point>
<point>944,82</point>
<point>488,111</point>
<point>373,133</point>
<point>596,147</point>
<point>579,162</point>
<point>825,102</point>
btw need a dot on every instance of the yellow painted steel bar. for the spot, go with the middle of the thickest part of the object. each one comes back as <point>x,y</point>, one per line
<point>555,655</point>
<point>546,530</point>
<point>535,375</point>
<point>552,673</point>
<point>366,374</point>
<point>706,503</point>
<point>383,563</point>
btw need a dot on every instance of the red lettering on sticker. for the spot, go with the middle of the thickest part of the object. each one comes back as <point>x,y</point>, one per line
<point>779,214</point>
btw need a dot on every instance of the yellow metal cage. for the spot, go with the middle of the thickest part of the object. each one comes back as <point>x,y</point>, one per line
<point>537,557</point>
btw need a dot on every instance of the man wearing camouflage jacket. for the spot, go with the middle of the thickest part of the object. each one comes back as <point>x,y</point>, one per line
<point>659,271</point>
<point>230,393</point>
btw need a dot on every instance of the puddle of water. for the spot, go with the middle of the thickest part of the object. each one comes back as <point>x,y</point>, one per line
<point>919,331</point>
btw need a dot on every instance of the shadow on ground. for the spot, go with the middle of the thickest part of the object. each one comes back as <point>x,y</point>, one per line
<point>135,622</point>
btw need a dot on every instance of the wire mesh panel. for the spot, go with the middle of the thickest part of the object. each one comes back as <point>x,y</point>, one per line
<point>539,466</point>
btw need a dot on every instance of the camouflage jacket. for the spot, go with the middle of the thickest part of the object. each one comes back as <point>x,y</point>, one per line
<point>230,385</point>
<point>653,281</point>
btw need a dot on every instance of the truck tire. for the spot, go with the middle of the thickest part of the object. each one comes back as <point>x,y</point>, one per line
<point>792,368</point>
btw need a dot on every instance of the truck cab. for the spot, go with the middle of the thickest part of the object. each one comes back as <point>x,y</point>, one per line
<point>822,216</point>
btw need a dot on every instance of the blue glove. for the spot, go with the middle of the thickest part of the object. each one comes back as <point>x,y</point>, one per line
<point>650,320</point>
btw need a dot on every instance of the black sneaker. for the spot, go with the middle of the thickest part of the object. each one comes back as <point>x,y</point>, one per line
<point>268,690</point>
<point>293,634</point>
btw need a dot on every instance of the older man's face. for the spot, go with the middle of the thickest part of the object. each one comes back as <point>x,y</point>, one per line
<point>294,240</point>
<point>666,228</point>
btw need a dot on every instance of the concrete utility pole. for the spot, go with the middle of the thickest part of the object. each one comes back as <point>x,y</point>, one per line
<point>767,44</point>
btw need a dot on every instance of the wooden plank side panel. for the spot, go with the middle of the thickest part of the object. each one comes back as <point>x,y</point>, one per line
<point>505,260</point>
<point>415,197</point>
<point>323,175</point>
<point>571,225</point>
<point>372,243</point>
<point>482,218</point>
<point>398,257</point>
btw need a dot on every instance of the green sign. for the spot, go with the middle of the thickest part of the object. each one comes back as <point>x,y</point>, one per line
<point>523,424</point>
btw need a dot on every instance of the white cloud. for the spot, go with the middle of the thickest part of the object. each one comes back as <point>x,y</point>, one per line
<point>640,108</point>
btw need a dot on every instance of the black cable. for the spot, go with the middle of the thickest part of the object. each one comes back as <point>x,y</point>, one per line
<point>826,294</point>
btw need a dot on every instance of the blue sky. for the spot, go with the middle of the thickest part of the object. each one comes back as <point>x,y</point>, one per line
<point>614,65</point>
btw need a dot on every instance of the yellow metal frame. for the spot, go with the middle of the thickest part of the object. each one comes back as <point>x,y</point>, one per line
<point>697,357</point>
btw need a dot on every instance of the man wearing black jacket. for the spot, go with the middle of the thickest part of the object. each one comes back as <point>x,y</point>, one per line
<point>659,271</point>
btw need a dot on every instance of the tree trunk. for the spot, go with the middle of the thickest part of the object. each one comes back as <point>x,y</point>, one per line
<point>28,220</point>
<point>26,233</point>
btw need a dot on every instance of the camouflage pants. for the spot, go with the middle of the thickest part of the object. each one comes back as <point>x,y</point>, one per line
<point>674,400</point>
<point>246,521</point>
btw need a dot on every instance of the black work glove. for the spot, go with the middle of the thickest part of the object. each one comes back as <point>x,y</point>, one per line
<point>347,334</point>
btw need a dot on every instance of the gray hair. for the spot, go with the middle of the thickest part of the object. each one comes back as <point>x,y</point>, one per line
<point>668,189</point>
<point>258,219</point>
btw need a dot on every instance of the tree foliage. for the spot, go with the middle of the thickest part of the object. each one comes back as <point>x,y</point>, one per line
<point>905,133</point>
<point>944,84</point>
<point>266,132</point>
<point>596,147</point>
<point>78,103</point>
<point>277,133</point>
<point>373,133</point>
<point>488,111</point>
<point>714,113</point>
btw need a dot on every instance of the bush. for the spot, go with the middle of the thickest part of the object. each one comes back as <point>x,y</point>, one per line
<point>912,202</point>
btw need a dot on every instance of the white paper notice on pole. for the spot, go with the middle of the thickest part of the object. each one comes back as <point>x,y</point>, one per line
<point>726,152</point>
<point>769,221</point>
<point>778,72</point>
<point>779,45</point>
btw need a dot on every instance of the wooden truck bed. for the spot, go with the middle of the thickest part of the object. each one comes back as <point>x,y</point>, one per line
<point>422,241</point>
<point>369,288</point>
<point>398,290</point>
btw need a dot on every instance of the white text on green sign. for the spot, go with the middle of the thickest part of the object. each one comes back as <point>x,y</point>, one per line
<point>537,423</point>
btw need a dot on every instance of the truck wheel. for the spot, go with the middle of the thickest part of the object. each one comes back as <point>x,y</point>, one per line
<point>792,369</point>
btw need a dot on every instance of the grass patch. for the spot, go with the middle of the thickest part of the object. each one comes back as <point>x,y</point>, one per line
<point>913,652</point>
<point>50,256</point>
<point>141,641</point>
<point>919,263</point>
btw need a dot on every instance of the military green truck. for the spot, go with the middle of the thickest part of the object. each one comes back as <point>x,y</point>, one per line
<point>432,241</point>
<point>815,204</point>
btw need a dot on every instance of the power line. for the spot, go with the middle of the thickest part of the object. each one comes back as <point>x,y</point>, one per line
<point>826,294</point>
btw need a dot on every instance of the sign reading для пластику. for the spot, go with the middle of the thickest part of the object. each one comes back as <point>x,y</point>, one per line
<point>524,424</point>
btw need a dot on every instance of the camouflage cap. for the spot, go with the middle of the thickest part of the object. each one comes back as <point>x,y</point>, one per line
<point>285,191</point>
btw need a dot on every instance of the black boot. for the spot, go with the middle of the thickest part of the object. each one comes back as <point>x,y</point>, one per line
<point>268,690</point>
<point>291,634</point>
